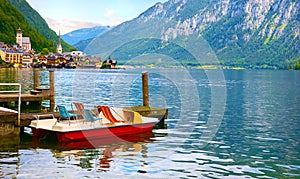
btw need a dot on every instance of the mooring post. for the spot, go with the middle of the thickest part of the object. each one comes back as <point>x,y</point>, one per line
<point>51,78</point>
<point>36,78</point>
<point>145,88</point>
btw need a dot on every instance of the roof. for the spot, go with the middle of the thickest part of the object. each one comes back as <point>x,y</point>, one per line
<point>12,50</point>
<point>26,40</point>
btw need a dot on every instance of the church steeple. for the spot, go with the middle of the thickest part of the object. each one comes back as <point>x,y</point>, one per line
<point>59,47</point>
<point>19,37</point>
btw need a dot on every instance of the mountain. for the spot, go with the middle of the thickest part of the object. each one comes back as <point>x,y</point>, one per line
<point>37,24</point>
<point>10,20</point>
<point>84,34</point>
<point>245,33</point>
<point>81,45</point>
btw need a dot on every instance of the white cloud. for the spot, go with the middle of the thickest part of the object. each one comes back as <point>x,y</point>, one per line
<point>65,26</point>
<point>109,12</point>
<point>111,17</point>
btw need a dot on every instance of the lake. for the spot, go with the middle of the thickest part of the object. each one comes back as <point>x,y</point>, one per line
<point>221,124</point>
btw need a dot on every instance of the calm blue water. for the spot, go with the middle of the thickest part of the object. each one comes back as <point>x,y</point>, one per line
<point>222,124</point>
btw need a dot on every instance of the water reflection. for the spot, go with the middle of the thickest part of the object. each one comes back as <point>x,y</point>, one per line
<point>94,154</point>
<point>16,75</point>
<point>258,137</point>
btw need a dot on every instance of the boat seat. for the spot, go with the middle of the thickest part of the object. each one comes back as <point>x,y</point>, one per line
<point>107,114</point>
<point>88,115</point>
<point>79,107</point>
<point>65,114</point>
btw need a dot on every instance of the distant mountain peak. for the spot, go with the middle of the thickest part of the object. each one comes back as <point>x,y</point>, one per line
<point>154,11</point>
<point>244,33</point>
<point>83,34</point>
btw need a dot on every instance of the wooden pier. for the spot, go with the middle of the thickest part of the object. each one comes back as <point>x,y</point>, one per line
<point>34,99</point>
<point>10,122</point>
<point>24,97</point>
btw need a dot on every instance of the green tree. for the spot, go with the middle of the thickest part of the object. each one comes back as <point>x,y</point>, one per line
<point>2,62</point>
<point>40,33</point>
<point>297,66</point>
<point>73,49</point>
<point>104,66</point>
<point>45,51</point>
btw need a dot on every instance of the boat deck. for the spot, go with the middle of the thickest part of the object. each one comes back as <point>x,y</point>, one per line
<point>78,125</point>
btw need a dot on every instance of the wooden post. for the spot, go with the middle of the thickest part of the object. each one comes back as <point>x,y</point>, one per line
<point>19,105</point>
<point>51,79</point>
<point>36,78</point>
<point>145,88</point>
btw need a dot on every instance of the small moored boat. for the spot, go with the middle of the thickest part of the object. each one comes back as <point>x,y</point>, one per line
<point>107,123</point>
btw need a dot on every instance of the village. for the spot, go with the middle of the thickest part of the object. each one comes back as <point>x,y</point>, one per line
<point>21,55</point>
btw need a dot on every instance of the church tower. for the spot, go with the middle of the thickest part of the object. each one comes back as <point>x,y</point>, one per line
<point>59,47</point>
<point>19,37</point>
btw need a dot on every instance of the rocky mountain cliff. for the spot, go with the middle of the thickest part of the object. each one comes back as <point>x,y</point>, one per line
<point>248,33</point>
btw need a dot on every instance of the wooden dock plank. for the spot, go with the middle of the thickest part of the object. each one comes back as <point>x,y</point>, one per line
<point>8,117</point>
<point>26,118</point>
<point>150,111</point>
<point>24,97</point>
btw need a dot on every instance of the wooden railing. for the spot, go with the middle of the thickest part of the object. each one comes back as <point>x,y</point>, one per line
<point>19,97</point>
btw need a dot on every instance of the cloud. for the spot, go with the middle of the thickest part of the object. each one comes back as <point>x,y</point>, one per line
<point>111,17</point>
<point>65,26</point>
<point>109,12</point>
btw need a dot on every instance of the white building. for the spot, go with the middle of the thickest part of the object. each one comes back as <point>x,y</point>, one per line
<point>78,53</point>
<point>59,47</point>
<point>23,42</point>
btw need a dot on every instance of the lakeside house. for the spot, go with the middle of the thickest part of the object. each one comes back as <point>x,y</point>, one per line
<point>17,55</point>
<point>22,55</point>
<point>13,55</point>
<point>110,64</point>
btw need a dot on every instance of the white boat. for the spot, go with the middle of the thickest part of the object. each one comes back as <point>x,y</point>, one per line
<point>109,122</point>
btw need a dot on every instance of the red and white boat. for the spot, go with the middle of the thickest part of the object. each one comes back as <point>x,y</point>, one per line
<point>109,122</point>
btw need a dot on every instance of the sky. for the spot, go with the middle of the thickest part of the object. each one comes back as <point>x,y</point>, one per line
<point>67,15</point>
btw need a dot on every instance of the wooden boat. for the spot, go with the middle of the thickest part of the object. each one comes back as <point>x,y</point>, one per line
<point>109,122</point>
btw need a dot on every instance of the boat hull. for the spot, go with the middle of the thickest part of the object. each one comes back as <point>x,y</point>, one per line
<point>95,133</point>
<point>113,131</point>
<point>39,133</point>
<point>90,144</point>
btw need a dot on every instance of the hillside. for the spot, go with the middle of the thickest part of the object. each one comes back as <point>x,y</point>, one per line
<point>38,24</point>
<point>84,34</point>
<point>10,20</point>
<point>81,45</point>
<point>237,33</point>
